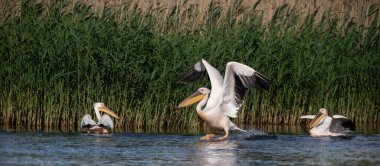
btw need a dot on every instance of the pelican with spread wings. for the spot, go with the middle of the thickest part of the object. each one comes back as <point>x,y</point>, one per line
<point>324,125</point>
<point>223,101</point>
<point>105,122</point>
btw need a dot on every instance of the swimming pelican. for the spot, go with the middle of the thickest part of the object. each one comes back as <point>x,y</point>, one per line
<point>225,97</point>
<point>104,122</point>
<point>323,125</point>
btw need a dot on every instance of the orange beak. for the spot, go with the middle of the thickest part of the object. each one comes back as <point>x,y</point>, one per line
<point>109,112</point>
<point>196,97</point>
<point>317,120</point>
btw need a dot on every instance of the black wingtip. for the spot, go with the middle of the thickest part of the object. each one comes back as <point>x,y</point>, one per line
<point>349,124</point>
<point>87,126</point>
<point>262,82</point>
<point>191,76</point>
<point>194,74</point>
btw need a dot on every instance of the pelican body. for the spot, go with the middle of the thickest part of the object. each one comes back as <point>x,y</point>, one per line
<point>324,125</point>
<point>104,121</point>
<point>222,102</point>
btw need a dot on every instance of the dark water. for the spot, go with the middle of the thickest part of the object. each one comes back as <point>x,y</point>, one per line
<point>254,147</point>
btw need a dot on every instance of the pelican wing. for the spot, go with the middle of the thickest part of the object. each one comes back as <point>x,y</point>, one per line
<point>340,123</point>
<point>87,122</point>
<point>308,117</point>
<point>198,71</point>
<point>237,80</point>
<point>106,121</point>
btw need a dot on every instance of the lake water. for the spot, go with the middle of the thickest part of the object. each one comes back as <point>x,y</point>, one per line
<point>123,148</point>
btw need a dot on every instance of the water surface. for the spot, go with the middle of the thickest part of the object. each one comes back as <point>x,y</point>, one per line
<point>255,147</point>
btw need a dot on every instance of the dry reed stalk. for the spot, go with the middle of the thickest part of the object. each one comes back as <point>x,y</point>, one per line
<point>193,13</point>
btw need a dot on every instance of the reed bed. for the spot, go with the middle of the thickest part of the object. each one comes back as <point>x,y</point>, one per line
<point>55,64</point>
<point>191,14</point>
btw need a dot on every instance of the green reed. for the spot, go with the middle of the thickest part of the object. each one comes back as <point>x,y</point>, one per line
<point>55,64</point>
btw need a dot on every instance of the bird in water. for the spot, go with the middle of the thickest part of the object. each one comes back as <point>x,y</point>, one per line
<point>222,102</point>
<point>324,125</point>
<point>105,122</point>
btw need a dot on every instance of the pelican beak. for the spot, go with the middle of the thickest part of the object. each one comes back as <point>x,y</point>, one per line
<point>109,112</point>
<point>317,119</point>
<point>196,97</point>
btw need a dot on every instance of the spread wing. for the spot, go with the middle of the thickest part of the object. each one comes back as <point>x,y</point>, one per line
<point>198,71</point>
<point>87,122</point>
<point>106,121</point>
<point>341,123</point>
<point>238,78</point>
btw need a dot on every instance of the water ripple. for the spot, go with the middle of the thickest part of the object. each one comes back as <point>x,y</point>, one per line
<point>253,147</point>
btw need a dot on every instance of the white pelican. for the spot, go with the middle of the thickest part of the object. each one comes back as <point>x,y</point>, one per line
<point>104,122</point>
<point>323,125</point>
<point>226,97</point>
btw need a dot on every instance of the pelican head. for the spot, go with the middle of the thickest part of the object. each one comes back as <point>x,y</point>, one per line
<point>199,95</point>
<point>319,118</point>
<point>98,106</point>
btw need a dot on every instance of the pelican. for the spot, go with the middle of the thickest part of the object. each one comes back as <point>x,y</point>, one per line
<point>323,125</point>
<point>104,122</point>
<point>223,101</point>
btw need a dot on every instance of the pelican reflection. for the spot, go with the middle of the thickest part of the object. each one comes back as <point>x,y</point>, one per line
<point>216,153</point>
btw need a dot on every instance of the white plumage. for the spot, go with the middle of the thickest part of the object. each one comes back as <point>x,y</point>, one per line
<point>104,121</point>
<point>226,95</point>
<point>324,125</point>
